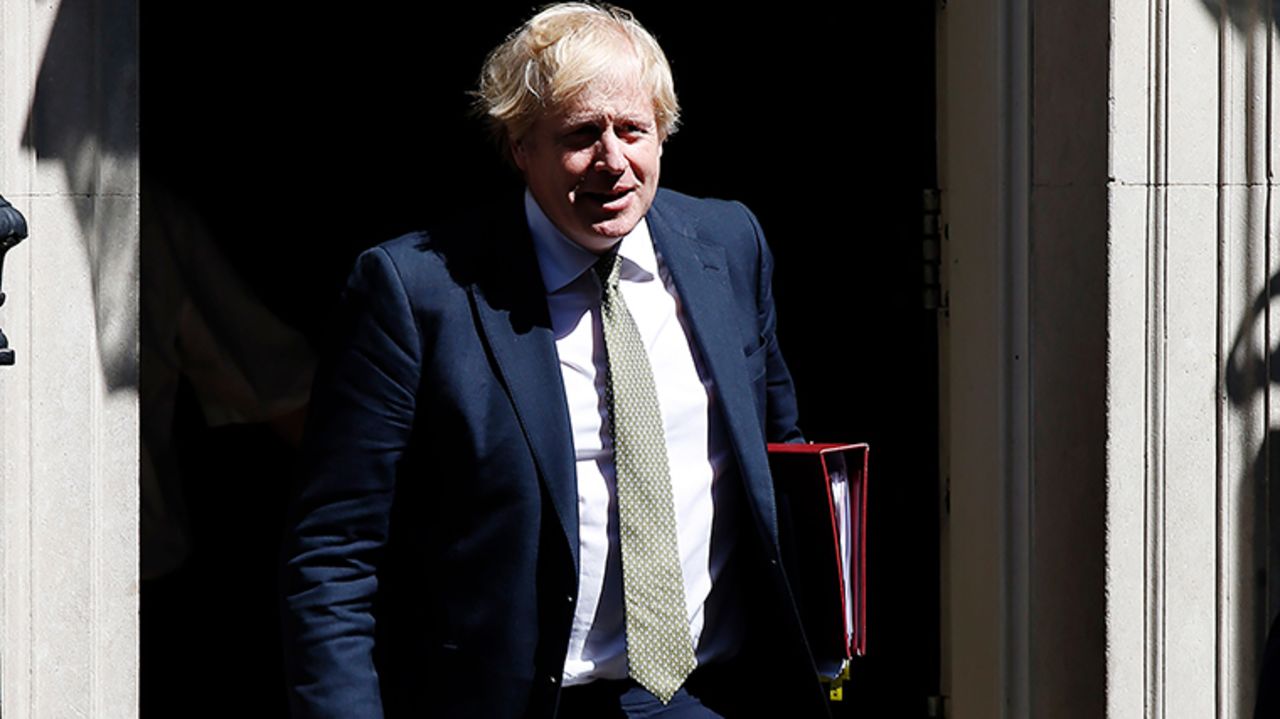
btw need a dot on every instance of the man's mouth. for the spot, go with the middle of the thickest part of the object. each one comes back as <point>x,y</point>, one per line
<point>610,200</point>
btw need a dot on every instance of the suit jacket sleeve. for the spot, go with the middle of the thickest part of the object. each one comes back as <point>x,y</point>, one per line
<point>781,414</point>
<point>360,424</point>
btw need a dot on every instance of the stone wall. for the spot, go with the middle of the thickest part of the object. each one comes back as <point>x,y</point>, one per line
<point>68,409</point>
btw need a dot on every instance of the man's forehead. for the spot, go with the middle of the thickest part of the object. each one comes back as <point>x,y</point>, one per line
<point>639,112</point>
<point>601,100</point>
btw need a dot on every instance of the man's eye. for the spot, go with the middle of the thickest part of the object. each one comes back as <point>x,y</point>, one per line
<point>581,136</point>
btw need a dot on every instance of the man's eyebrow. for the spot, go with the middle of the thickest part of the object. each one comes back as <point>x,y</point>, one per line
<point>639,120</point>
<point>582,116</point>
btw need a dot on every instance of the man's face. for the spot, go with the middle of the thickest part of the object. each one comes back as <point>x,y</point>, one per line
<point>592,165</point>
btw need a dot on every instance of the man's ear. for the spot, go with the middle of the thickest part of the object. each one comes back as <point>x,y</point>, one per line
<point>518,152</point>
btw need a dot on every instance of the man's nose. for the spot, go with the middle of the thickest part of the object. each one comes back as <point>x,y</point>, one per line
<point>609,156</point>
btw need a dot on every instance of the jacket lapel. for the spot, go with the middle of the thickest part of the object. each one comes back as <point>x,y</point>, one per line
<point>701,275</point>
<point>512,311</point>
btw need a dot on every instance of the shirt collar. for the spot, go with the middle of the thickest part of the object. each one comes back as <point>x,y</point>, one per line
<point>561,260</point>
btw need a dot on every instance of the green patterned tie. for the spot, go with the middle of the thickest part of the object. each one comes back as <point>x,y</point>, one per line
<point>659,646</point>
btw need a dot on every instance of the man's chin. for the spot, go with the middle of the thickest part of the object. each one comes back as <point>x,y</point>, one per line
<point>615,228</point>
<point>594,241</point>
<point>602,234</point>
<point>611,233</point>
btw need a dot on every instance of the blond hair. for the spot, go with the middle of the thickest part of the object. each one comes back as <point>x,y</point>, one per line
<point>557,54</point>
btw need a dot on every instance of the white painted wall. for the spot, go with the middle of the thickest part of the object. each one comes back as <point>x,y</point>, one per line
<point>68,409</point>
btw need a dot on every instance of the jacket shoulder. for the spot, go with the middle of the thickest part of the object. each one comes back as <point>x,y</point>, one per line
<point>430,265</point>
<point>703,210</point>
<point>413,252</point>
<point>725,223</point>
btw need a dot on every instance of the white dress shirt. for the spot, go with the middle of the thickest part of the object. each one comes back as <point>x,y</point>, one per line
<point>697,449</point>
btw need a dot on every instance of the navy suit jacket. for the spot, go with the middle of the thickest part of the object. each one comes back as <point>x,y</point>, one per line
<point>431,567</point>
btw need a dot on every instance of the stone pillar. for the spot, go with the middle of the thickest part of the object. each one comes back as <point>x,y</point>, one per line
<point>1111,263</point>
<point>68,409</point>
<point>1191,259</point>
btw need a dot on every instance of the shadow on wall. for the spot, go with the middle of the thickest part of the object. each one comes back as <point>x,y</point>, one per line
<point>1243,14</point>
<point>84,117</point>
<point>1249,376</point>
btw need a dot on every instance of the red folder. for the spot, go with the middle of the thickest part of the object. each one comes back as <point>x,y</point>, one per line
<point>821,492</point>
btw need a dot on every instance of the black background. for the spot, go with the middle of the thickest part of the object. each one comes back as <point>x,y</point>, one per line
<point>303,138</point>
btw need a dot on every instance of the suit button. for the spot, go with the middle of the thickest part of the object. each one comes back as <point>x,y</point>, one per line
<point>553,678</point>
<point>569,598</point>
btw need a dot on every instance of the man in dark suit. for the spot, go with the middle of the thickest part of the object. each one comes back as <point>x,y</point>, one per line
<point>535,481</point>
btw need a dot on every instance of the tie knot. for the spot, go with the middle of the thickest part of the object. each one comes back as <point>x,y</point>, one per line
<point>607,268</point>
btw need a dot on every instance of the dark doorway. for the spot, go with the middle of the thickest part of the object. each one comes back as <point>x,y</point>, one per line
<point>302,139</point>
